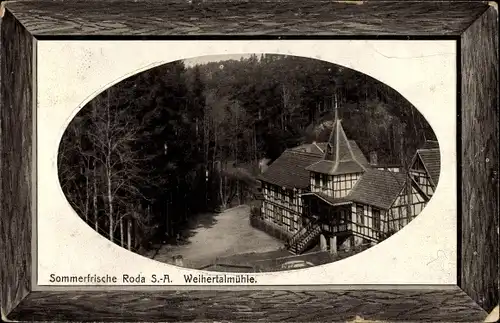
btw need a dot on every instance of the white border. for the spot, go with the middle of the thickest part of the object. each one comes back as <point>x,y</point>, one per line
<point>71,73</point>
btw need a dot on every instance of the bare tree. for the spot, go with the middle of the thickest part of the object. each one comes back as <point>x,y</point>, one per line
<point>74,165</point>
<point>112,133</point>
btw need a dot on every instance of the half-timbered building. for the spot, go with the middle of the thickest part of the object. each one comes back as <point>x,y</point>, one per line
<point>329,193</point>
<point>425,167</point>
<point>282,185</point>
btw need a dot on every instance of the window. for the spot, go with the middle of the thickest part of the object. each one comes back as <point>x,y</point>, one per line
<point>317,180</point>
<point>360,214</point>
<point>340,216</point>
<point>403,199</point>
<point>376,219</point>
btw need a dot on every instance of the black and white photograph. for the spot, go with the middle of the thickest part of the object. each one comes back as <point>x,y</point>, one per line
<point>248,163</point>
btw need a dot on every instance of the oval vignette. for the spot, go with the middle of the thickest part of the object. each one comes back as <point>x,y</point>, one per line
<point>248,163</point>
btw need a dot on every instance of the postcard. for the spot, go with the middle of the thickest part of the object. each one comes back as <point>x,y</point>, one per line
<point>237,163</point>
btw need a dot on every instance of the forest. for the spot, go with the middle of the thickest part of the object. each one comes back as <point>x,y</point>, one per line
<point>150,152</point>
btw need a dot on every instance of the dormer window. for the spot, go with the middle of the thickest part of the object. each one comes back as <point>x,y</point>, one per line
<point>329,149</point>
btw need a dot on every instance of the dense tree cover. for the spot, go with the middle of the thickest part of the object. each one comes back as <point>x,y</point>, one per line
<point>286,100</point>
<point>160,146</point>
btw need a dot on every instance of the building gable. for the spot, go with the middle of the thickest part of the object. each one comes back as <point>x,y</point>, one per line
<point>342,156</point>
<point>431,161</point>
<point>417,164</point>
<point>378,188</point>
<point>417,195</point>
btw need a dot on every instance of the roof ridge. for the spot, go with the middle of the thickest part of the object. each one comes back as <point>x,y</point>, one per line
<point>314,143</point>
<point>354,157</point>
<point>338,127</point>
<point>425,166</point>
<point>291,150</point>
<point>351,152</point>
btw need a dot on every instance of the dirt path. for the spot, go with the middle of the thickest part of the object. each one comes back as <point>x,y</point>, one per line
<point>228,233</point>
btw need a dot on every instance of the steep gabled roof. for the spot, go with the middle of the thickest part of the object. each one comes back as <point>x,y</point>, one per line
<point>378,188</point>
<point>314,148</point>
<point>321,146</point>
<point>289,170</point>
<point>432,163</point>
<point>330,168</point>
<point>358,154</point>
<point>342,155</point>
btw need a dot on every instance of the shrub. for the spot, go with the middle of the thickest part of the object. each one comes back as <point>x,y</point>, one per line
<point>255,212</point>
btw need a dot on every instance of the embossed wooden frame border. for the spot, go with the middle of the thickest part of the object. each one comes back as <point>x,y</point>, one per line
<point>474,24</point>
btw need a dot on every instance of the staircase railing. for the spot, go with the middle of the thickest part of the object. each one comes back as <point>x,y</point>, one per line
<point>300,241</point>
<point>301,232</point>
<point>304,243</point>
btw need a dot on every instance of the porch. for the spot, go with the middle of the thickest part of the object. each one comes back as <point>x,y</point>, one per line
<point>334,218</point>
<point>332,214</point>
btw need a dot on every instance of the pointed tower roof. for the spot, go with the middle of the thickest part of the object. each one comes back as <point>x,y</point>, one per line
<point>340,156</point>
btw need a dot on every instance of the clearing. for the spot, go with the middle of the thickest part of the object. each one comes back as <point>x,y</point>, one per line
<point>213,236</point>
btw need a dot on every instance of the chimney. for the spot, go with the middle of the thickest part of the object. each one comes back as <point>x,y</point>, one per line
<point>373,158</point>
<point>263,164</point>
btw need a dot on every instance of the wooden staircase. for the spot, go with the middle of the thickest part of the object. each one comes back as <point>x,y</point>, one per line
<point>304,238</point>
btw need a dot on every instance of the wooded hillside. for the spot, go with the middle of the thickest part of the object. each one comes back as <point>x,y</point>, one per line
<point>162,145</point>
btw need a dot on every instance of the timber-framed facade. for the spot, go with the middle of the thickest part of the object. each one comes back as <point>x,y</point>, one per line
<point>425,167</point>
<point>472,24</point>
<point>329,193</point>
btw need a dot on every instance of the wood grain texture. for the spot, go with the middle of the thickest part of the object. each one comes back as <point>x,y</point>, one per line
<point>251,306</point>
<point>16,133</point>
<point>317,17</point>
<point>480,241</point>
<point>111,18</point>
